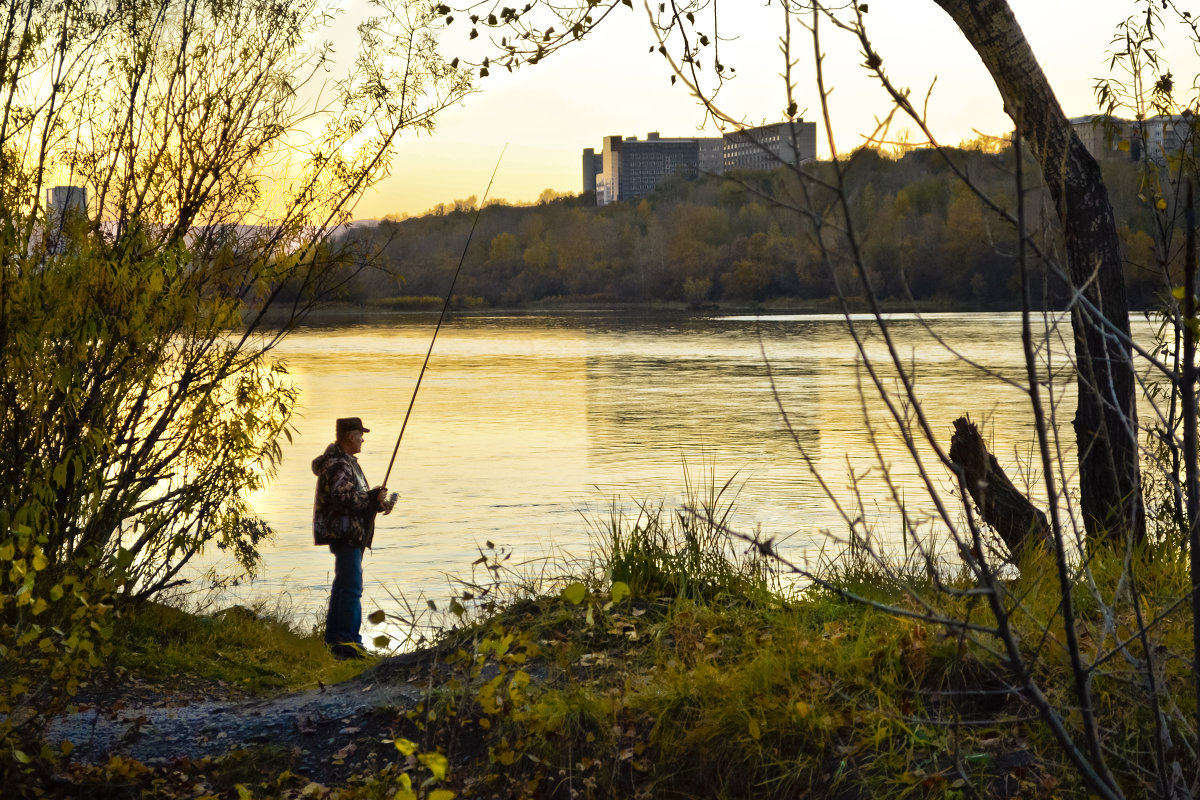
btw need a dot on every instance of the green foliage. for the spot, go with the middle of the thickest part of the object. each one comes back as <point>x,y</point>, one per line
<point>136,425</point>
<point>705,682</point>
<point>55,627</point>
<point>809,694</point>
<point>434,762</point>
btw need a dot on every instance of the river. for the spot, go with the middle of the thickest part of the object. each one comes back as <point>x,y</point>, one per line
<point>529,429</point>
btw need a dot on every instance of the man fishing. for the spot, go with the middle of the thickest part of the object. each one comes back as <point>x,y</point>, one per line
<point>344,519</point>
<point>344,511</point>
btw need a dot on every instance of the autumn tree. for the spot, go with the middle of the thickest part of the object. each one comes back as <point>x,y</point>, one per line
<point>210,160</point>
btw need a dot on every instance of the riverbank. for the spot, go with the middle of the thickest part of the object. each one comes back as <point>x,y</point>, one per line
<point>339,313</point>
<point>691,695</point>
<point>676,665</point>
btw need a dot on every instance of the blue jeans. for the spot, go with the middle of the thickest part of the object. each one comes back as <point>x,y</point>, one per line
<point>345,600</point>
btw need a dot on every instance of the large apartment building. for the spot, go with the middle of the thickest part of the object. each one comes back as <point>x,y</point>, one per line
<point>768,146</point>
<point>628,168</point>
<point>1157,138</point>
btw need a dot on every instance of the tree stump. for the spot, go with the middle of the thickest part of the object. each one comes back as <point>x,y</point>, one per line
<point>1000,504</point>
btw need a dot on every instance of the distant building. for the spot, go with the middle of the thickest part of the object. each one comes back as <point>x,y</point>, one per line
<point>63,201</point>
<point>1168,137</point>
<point>593,165</point>
<point>768,146</point>
<point>1102,136</point>
<point>63,204</point>
<point>712,156</point>
<point>1157,138</point>
<point>627,168</point>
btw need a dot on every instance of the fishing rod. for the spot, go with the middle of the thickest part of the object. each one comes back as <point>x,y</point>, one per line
<point>442,316</point>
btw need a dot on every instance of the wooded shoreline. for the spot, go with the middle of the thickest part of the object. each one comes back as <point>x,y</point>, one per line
<point>926,240</point>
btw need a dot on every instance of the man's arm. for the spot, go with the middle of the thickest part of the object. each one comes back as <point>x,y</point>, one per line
<point>344,491</point>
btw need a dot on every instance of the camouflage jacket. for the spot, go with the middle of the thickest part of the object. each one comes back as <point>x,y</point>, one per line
<point>344,509</point>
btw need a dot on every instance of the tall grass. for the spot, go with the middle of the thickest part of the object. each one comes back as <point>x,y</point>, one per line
<point>686,552</point>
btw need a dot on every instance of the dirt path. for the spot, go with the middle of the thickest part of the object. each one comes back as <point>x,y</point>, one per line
<point>328,733</point>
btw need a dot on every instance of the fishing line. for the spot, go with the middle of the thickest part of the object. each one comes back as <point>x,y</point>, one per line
<point>442,316</point>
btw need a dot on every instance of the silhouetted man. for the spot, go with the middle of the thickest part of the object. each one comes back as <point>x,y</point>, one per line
<point>344,518</point>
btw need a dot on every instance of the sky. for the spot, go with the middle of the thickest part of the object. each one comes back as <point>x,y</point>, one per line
<point>542,117</point>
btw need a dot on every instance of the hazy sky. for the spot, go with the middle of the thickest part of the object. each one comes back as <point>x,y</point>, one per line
<point>610,84</point>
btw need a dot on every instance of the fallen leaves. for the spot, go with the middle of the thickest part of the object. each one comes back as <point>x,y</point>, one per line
<point>341,755</point>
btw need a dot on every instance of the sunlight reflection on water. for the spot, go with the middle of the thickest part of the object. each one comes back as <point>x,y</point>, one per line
<point>528,426</point>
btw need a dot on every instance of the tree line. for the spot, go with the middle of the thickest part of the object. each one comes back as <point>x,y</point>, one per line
<point>924,236</point>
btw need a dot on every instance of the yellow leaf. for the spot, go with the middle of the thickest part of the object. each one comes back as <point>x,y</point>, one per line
<point>1123,145</point>
<point>440,794</point>
<point>520,680</point>
<point>381,641</point>
<point>574,593</point>
<point>376,617</point>
<point>405,747</point>
<point>1161,204</point>
<point>39,561</point>
<point>755,732</point>
<point>620,590</point>
<point>802,708</point>
<point>437,764</point>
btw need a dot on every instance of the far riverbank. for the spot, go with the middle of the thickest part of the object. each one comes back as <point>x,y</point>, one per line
<point>334,313</point>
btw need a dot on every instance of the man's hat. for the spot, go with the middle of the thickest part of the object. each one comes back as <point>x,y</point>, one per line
<point>347,424</point>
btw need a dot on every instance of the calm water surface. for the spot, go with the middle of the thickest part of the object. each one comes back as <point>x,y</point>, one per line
<point>527,429</point>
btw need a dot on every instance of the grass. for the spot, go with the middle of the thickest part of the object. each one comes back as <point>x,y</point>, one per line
<point>685,553</point>
<point>257,650</point>
<point>709,679</point>
<point>427,303</point>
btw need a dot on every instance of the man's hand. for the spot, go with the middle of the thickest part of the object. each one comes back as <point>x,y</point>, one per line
<point>384,503</point>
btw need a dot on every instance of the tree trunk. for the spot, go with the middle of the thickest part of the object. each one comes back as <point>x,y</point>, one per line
<point>1106,418</point>
<point>1000,503</point>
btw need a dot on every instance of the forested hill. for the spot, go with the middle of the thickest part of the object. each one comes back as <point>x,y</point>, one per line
<point>923,235</point>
